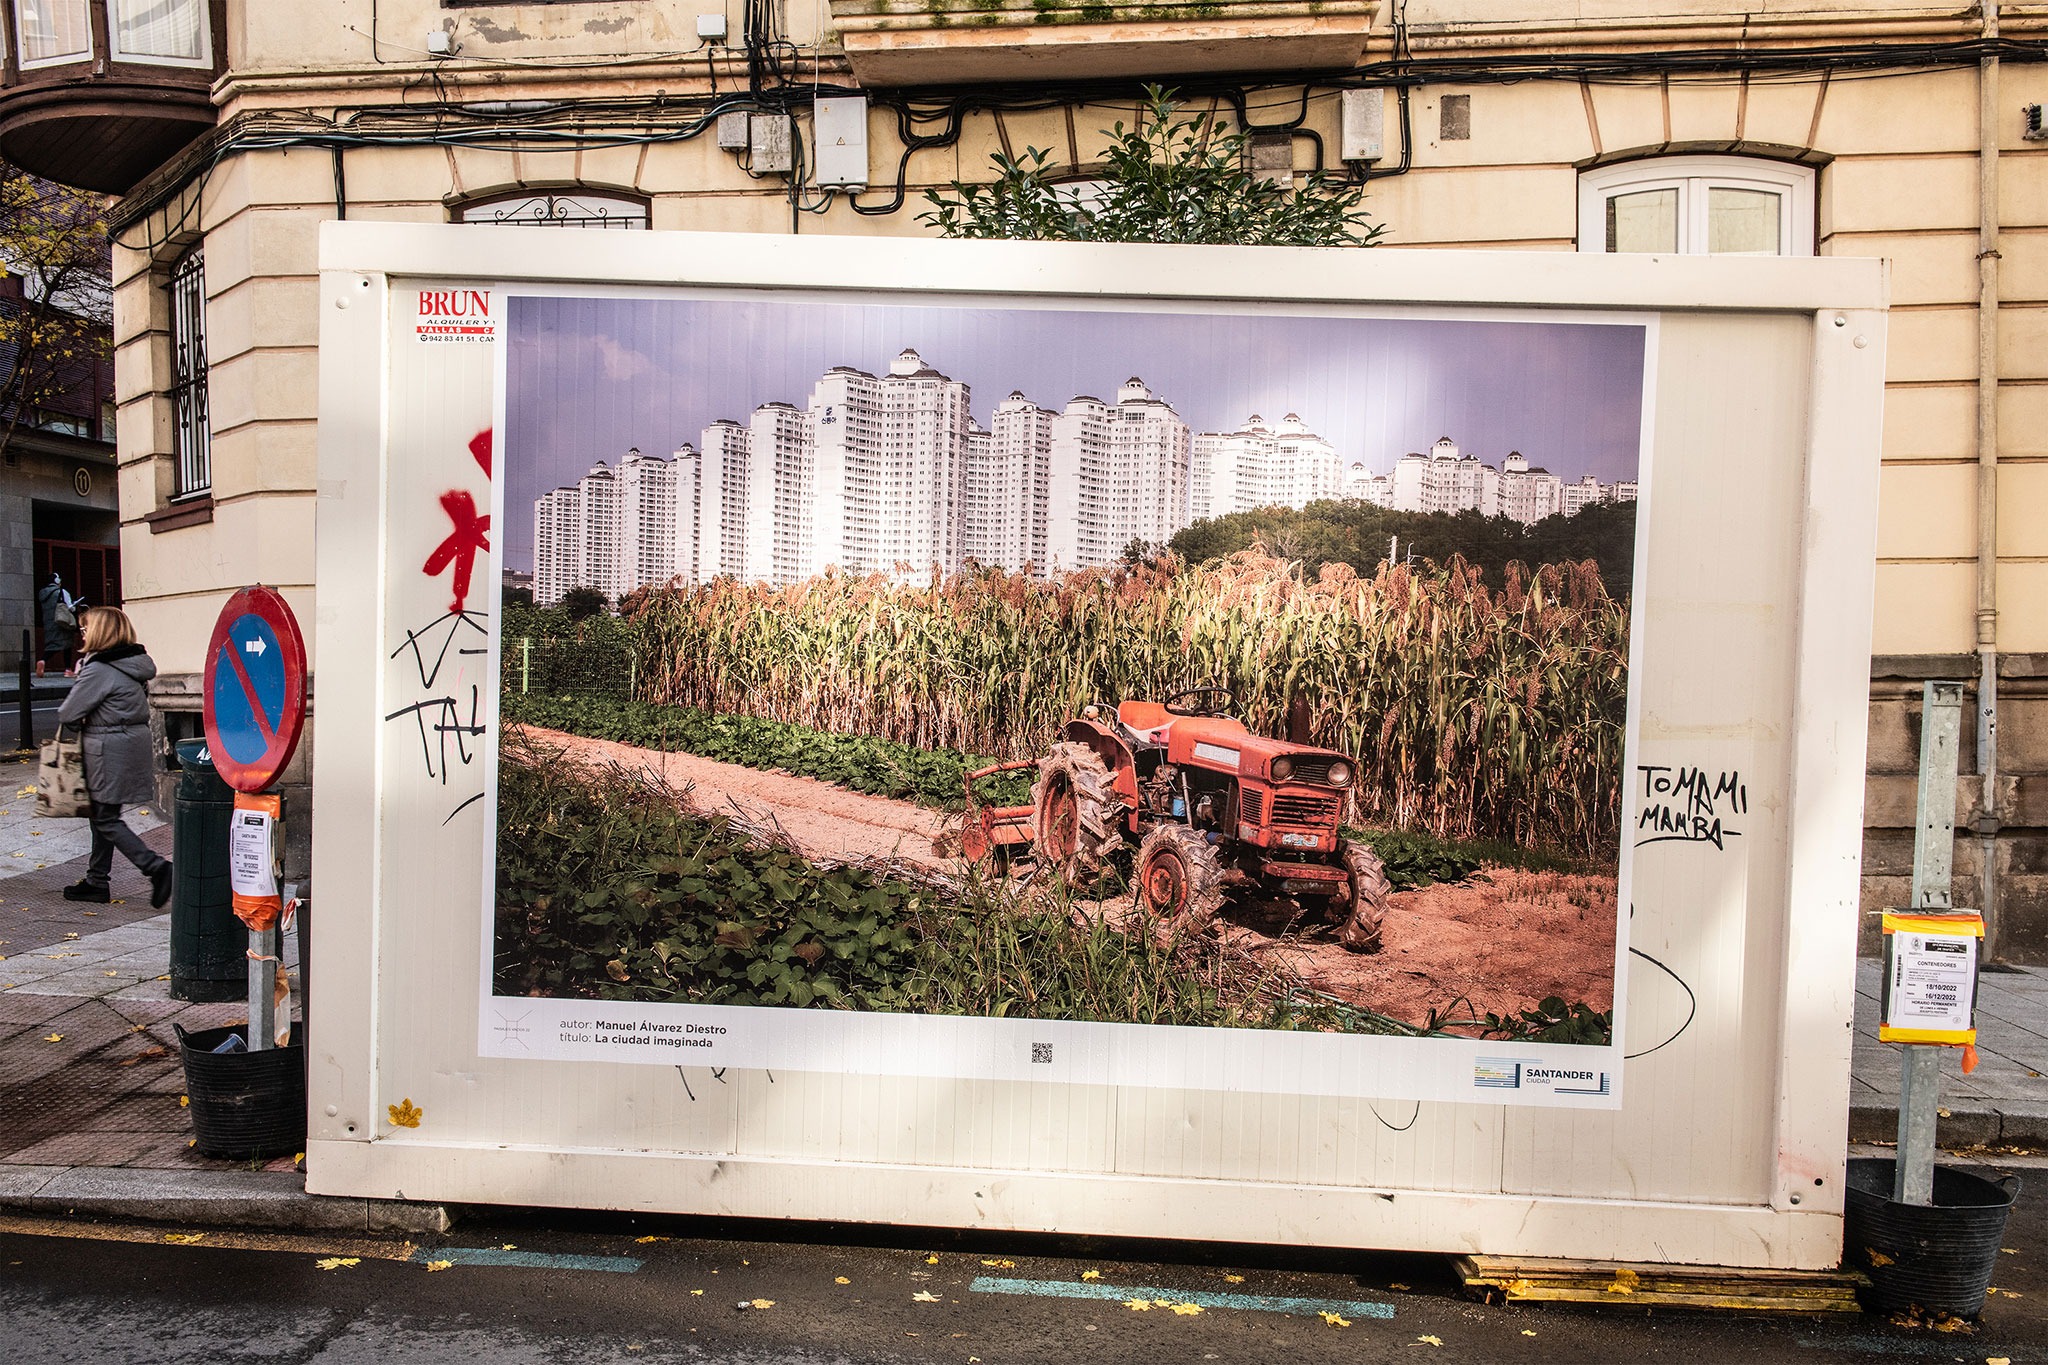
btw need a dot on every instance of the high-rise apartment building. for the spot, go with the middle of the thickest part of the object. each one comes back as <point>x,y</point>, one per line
<point>1006,487</point>
<point>1261,466</point>
<point>1528,495</point>
<point>1119,473</point>
<point>613,529</point>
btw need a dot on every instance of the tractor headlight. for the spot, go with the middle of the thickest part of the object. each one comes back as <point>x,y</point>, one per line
<point>1282,769</point>
<point>1340,774</point>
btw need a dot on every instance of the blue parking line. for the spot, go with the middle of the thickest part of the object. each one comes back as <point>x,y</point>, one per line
<point>1251,1303</point>
<point>527,1260</point>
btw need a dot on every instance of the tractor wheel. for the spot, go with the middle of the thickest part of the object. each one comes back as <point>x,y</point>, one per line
<point>1369,891</point>
<point>1073,812</point>
<point>1180,879</point>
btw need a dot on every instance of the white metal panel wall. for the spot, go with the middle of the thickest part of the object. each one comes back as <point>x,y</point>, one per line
<point>1761,474</point>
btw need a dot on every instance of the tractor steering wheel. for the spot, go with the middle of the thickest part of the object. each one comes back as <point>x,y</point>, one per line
<point>1201,701</point>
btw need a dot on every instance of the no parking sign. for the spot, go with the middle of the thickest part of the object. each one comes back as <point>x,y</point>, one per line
<point>255,689</point>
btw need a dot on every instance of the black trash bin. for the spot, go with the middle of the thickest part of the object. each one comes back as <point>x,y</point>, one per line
<point>1936,1257</point>
<point>208,944</point>
<point>245,1105</point>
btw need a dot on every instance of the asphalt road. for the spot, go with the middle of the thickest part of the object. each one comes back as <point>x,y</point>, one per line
<point>44,720</point>
<point>569,1289</point>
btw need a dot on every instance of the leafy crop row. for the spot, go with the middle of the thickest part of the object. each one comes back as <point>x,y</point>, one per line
<point>878,767</point>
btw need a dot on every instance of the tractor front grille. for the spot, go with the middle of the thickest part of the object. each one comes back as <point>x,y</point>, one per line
<point>1252,807</point>
<point>1298,808</point>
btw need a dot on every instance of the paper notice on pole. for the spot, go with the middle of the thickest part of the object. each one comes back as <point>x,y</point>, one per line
<point>252,871</point>
<point>1930,989</point>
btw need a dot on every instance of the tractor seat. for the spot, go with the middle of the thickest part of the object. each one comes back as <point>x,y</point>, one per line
<point>1148,720</point>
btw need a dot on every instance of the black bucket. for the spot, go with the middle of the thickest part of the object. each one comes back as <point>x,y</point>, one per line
<point>245,1104</point>
<point>1936,1257</point>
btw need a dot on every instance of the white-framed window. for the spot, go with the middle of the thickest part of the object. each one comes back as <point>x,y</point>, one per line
<point>52,31</point>
<point>161,32</point>
<point>1698,206</point>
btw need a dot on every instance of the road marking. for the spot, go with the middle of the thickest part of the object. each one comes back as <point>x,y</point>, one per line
<point>1250,1303</point>
<point>527,1260</point>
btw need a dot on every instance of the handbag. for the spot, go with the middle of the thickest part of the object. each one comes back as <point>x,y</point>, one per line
<point>60,783</point>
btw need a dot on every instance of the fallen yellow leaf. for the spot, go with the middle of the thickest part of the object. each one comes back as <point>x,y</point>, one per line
<point>1091,1274</point>
<point>338,1262</point>
<point>1527,1333</point>
<point>1000,1265</point>
<point>1397,1286</point>
<point>1334,1320</point>
<point>762,1303</point>
<point>509,1247</point>
<point>1625,1281</point>
<point>924,1296</point>
<point>1233,1279</point>
<point>298,1158</point>
<point>698,1293</point>
<point>1997,1360</point>
<point>643,1241</point>
<point>1138,1305</point>
<point>439,1265</point>
<point>53,1037</point>
<point>1162,1303</point>
<point>1429,1341</point>
<point>841,1279</point>
<point>184,1101</point>
<point>1187,1310</point>
<point>405,1114</point>
<point>183,1239</point>
<point>931,1260</point>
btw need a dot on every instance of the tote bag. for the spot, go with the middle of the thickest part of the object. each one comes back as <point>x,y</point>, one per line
<point>60,786</point>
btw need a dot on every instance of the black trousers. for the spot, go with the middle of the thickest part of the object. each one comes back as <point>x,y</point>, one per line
<point>108,834</point>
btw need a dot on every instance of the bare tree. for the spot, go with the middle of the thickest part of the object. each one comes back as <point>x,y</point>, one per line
<point>56,302</point>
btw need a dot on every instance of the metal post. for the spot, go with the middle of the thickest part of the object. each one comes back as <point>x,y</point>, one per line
<point>262,989</point>
<point>1934,842</point>
<point>525,664</point>
<point>27,729</point>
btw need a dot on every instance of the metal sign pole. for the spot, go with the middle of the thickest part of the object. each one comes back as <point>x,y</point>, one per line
<point>1934,841</point>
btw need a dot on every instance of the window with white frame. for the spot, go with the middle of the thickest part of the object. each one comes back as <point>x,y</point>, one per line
<point>48,31</point>
<point>1698,206</point>
<point>161,32</point>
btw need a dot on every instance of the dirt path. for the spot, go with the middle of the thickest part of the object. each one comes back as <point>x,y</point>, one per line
<point>825,821</point>
<point>1496,945</point>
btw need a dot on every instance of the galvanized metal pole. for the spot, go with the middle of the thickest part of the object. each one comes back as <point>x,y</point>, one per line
<point>27,700</point>
<point>1934,843</point>
<point>262,989</point>
<point>525,664</point>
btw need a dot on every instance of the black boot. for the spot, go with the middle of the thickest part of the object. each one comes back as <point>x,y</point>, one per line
<point>96,892</point>
<point>160,885</point>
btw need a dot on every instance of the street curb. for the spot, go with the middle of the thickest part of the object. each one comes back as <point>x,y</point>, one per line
<point>273,1200</point>
<point>2018,1123</point>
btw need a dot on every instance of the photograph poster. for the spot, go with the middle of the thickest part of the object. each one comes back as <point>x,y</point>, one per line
<point>1030,689</point>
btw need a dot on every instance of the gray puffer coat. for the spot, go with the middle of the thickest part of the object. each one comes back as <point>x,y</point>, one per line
<point>109,702</point>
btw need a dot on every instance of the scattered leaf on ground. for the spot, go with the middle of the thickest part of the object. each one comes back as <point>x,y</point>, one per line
<point>697,1293</point>
<point>1876,1257</point>
<point>53,1037</point>
<point>439,1265</point>
<point>1527,1333</point>
<point>931,1260</point>
<point>338,1262</point>
<point>1187,1310</point>
<point>184,1239</point>
<point>1397,1286</point>
<point>1138,1305</point>
<point>184,1101</point>
<point>405,1114</point>
<point>1335,1320</point>
<point>1000,1265</point>
<point>1428,1341</point>
<point>924,1296</point>
<point>1233,1279</point>
<point>841,1279</point>
<point>1091,1274</point>
<point>508,1247</point>
<point>643,1241</point>
<point>761,1303</point>
<point>1624,1281</point>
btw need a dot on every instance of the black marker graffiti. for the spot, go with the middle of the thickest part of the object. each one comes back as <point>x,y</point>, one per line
<point>1689,805</point>
<point>446,724</point>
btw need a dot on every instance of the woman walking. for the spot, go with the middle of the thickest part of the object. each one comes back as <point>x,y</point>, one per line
<point>109,705</point>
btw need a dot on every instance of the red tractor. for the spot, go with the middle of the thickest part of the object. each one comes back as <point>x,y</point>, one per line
<point>1211,809</point>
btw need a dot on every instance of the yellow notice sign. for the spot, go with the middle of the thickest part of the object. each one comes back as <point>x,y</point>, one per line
<point>1930,978</point>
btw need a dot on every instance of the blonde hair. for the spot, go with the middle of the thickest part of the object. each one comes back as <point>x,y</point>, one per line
<point>106,627</point>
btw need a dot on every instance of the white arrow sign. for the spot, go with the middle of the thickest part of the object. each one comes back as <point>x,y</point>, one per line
<point>253,647</point>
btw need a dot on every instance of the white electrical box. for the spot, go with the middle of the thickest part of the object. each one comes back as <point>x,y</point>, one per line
<point>733,133</point>
<point>711,27</point>
<point>768,144</point>
<point>1361,127</point>
<point>842,140</point>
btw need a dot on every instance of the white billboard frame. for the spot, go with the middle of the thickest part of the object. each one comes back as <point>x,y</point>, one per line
<point>389,1025</point>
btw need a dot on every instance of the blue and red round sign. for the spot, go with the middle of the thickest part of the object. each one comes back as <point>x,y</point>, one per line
<point>255,687</point>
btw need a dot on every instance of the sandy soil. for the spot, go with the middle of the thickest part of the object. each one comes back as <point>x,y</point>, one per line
<point>1498,944</point>
<point>825,821</point>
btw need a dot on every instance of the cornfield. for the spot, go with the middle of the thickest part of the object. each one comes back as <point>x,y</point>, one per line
<point>1472,713</point>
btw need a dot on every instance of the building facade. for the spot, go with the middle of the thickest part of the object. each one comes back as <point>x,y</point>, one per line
<point>1892,129</point>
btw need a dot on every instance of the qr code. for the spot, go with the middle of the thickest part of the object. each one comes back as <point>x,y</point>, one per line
<point>1041,1052</point>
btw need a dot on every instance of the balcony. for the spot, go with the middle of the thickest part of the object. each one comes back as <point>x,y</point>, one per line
<point>98,93</point>
<point>948,42</point>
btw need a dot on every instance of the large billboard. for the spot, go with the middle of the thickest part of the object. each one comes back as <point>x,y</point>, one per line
<point>1346,747</point>
<point>1293,643</point>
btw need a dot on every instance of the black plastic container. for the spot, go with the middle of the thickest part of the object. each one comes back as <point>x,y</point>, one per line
<point>1936,1257</point>
<point>245,1104</point>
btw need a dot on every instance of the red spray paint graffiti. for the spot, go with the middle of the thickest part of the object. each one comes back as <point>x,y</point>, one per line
<point>461,547</point>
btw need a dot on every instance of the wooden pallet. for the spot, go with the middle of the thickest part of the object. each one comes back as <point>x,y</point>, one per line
<point>1501,1280</point>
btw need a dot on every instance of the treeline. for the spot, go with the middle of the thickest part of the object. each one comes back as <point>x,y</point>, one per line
<point>1359,534</point>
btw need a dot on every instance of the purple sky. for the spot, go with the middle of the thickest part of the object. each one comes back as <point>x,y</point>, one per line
<point>590,377</point>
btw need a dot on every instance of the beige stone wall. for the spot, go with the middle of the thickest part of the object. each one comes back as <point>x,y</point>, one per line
<point>1898,179</point>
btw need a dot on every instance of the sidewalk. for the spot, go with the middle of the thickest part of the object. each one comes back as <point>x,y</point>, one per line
<point>90,1077</point>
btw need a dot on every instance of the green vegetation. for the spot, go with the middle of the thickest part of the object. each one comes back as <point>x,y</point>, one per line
<point>1169,177</point>
<point>879,767</point>
<point>1359,535</point>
